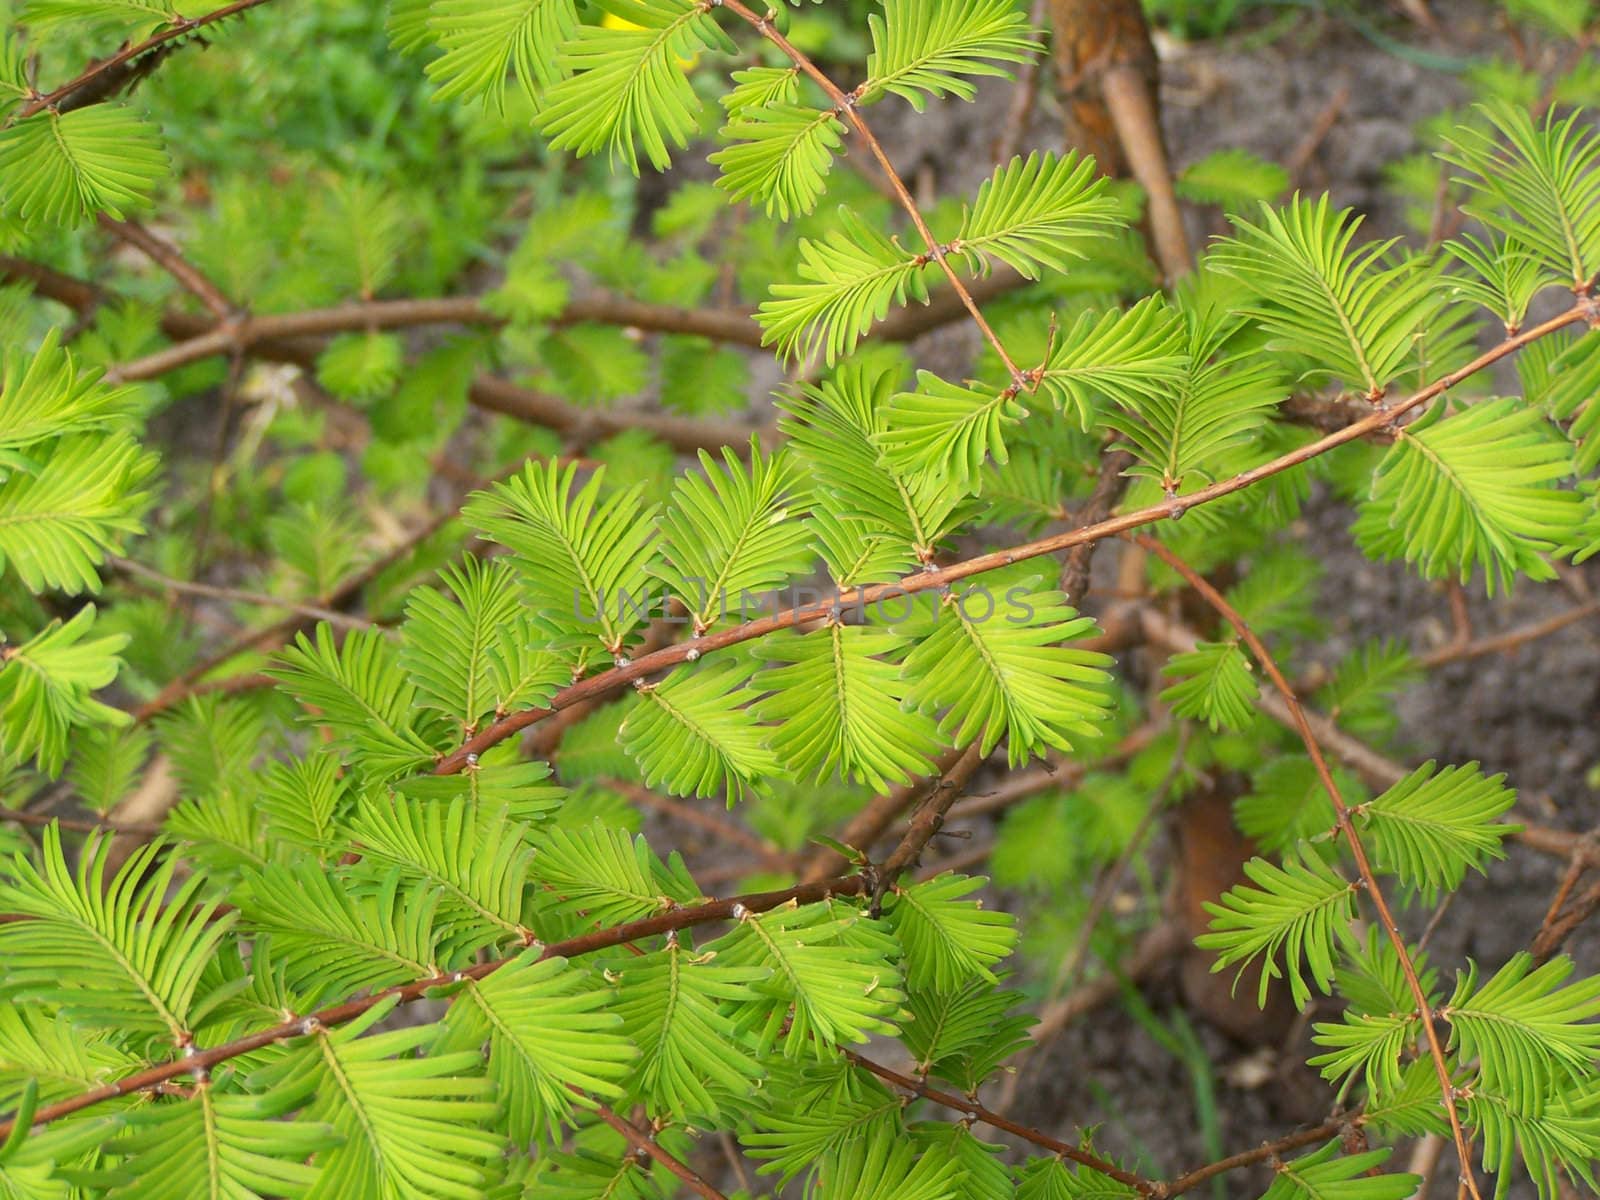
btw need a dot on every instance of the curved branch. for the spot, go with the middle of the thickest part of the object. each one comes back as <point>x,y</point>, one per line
<point>202,1061</point>
<point>182,27</point>
<point>847,107</point>
<point>976,1111</point>
<point>922,581</point>
<point>1347,828</point>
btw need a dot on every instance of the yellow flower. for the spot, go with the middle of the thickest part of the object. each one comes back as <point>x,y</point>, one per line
<point>612,21</point>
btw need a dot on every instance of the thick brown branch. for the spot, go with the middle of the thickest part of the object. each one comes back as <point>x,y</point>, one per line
<point>211,340</point>
<point>868,825</point>
<point>929,817</point>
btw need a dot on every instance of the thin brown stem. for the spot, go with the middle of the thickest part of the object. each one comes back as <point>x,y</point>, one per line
<point>181,27</point>
<point>976,1111</point>
<point>186,587</point>
<point>1306,149</point>
<point>1553,934</point>
<point>846,105</point>
<point>926,580</point>
<point>21,817</point>
<point>1263,1153</point>
<point>169,259</point>
<point>1375,769</point>
<point>675,919</point>
<point>646,1145</point>
<point>1459,651</point>
<point>1347,828</point>
<point>1129,101</point>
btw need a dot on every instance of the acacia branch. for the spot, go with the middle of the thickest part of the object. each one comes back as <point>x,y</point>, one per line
<point>1347,828</point>
<point>1586,309</point>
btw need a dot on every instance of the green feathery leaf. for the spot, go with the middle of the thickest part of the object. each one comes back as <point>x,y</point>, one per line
<point>1292,918</point>
<point>362,695</point>
<point>696,732</point>
<point>1215,685</point>
<point>1433,825</point>
<point>45,686</point>
<point>852,277</point>
<point>484,40</point>
<point>1538,184</point>
<point>1354,318</point>
<point>627,88</point>
<point>583,556</point>
<point>922,49</point>
<point>1478,487</point>
<point>839,704</point>
<point>948,938</point>
<point>148,950</point>
<point>551,1044</point>
<point>63,168</point>
<point>732,530</point>
<point>1005,667</point>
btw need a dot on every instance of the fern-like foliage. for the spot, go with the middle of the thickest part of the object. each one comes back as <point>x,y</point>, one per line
<point>1292,917</point>
<point>697,734</point>
<point>1034,213</point>
<point>780,154</point>
<point>149,956</point>
<point>363,829</point>
<point>1537,184</point>
<point>357,687</point>
<point>584,554</point>
<point>920,51</point>
<point>838,697</point>
<point>626,89</point>
<point>62,168</point>
<point>1352,316</point>
<point>1213,406</point>
<point>483,43</point>
<point>1477,488</point>
<point>1430,828</point>
<point>998,666</point>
